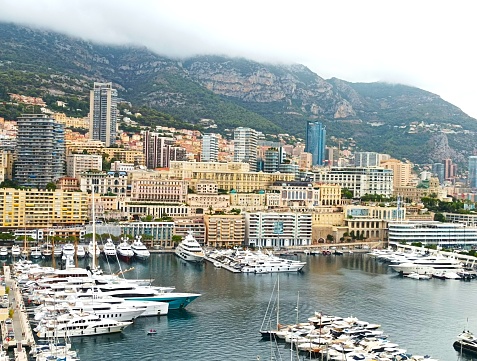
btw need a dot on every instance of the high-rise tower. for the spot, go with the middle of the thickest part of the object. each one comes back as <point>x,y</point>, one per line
<point>210,148</point>
<point>245,146</point>
<point>40,151</point>
<point>316,142</point>
<point>103,113</point>
<point>473,171</point>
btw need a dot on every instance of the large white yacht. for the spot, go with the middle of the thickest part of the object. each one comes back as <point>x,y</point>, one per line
<point>80,251</point>
<point>139,249</point>
<point>273,264</point>
<point>69,250</point>
<point>93,249</point>
<point>429,265</point>
<point>80,325</point>
<point>109,249</point>
<point>124,251</point>
<point>189,249</point>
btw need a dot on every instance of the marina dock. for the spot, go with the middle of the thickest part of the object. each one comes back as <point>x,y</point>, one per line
<point>17,334</point>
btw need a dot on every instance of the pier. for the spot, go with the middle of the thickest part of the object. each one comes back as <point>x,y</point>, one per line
<point>17,333</point>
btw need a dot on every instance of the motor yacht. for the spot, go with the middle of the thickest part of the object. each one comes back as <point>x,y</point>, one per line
<point>68,250</point>
<point>109,249</point>
<point>429,265</point>
<point>72,325</point>
<point>124,251</point>
<point>3,252</point>
<point>93,249</point>
<point>16,251</point>
<point>140,250</point>
<point>47,250</point>
<point>35,252</point>
<point>80,251</point>
<point>189,249</point>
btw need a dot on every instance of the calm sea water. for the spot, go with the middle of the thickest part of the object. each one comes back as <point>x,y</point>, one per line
<point>422,316</point>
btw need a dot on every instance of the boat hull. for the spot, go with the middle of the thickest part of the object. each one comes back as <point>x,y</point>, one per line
<point>90,331</point>
<point>189,257</point>
<point>175,302</point>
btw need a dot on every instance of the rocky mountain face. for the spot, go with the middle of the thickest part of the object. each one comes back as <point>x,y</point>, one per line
<point>388,118</point>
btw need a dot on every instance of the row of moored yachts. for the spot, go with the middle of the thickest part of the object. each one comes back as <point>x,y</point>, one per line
<point>335,338</point>
<point>247,261</point>
<point>81,302</point>
<point>124,250</point>
<point>422,265</point>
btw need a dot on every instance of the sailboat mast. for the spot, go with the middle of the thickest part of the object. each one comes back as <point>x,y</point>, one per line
<point>93,215</point>
<point>278,301</point>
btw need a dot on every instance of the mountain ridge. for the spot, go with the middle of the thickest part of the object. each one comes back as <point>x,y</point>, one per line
<point>239,92</point>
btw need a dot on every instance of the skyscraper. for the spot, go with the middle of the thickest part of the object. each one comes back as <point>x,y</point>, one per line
<point>103,113</point>
<point>40,151</point>
<point>473,171</point>
<point>316,141</point>
<point>210,148</point>
<point>245,146</point>
<point>438,170</point>
<point>157,149</point>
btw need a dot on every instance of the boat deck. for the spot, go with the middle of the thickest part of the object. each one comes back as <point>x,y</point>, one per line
<point>222,265</point>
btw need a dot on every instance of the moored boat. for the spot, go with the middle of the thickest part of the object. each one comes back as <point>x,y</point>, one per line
<point>124,251</point>
<point>189,249</point>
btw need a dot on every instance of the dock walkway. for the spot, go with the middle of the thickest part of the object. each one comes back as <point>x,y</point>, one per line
<point>18,333</point>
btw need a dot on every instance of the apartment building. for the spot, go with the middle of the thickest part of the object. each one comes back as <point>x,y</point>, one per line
<point>79,163</point>
<point>225,231</point>
<point>36,208</point>
<point>278,229</point>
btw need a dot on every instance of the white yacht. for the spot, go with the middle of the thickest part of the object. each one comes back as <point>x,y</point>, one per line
<point>58,251</point>
<point>124,251</point>
<point>429,265</point>
<point>139,249</point>
<point>16,251</point>
<point>273,264</point>
<point>80,251</point>
<point>109,249</point>
<point>91,252</point>
<point>72,325</point>
<point>46,250</point>
<point>35,252</point>
<point>69,250</point>
<point>3,252</point>
<point>189,249</point>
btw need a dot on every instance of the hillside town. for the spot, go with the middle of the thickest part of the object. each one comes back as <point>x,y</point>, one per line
<point>246,190</point>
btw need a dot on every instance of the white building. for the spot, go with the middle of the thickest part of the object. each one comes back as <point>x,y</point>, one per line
<point>79,163</point>
<point>210,148</point>
<point>245,146</point>
<point>359,180</point>
<point>105,182</point>
<point>274,229</point>
<point>433,232</point>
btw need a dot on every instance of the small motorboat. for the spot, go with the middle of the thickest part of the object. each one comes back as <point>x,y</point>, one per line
<point>151,332</point>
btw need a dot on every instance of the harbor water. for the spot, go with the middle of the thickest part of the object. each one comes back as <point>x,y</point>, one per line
<point>422,316</point>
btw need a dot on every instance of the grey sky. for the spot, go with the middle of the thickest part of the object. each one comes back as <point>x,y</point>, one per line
<point>428,44</point>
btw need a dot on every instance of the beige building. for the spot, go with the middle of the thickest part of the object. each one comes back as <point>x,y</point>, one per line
<point>79,163</point>
<point>159,190</point>
<point>249,202</point>
<point>71,122</point>
<point>330,194</point>
<point>195,224</point>
<point>228,176</point>
<point>126,156</point>
<point>225,231</point>
<point>402,172</point>
<point>415,193</point>
<point>41,208</point>
<point>88,146</point>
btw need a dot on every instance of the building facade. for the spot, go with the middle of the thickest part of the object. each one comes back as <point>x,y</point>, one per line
<point>245,146</point>
<point>40,151</point>
<point>270,229</point>
<point>103,113</point>
<point>210,148</point>
<point>473,171</point>
<point>79,163</point>
<point>225,231</point>
<point>316,142</point>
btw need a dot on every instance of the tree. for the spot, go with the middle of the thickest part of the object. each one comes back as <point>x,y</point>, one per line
<point>330,238</point>
<point>439,217</point>
<point>346,193</point>
<point>51,186</point>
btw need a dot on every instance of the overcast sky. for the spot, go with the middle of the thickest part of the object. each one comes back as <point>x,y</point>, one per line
<point>424,43</point>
